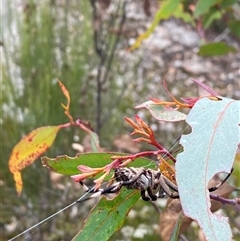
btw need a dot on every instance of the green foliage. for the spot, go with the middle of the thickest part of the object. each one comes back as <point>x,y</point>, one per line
<point>50,47</point>
<point>176,231</point>
<point>235,27</point>
<point>203,6</point>
<point>181,14</point>
<point>211,16</point>
<point>43,46</point>
<point>228,3</point>
<point>34,99</point>
<point>202,16</point>
<point>42,51</point>
<point>107,217</point>
<point>216,49</point>
<point>40,64</point>
<point>210,121</point>
<point>68,165</point>
<point>166,11</point>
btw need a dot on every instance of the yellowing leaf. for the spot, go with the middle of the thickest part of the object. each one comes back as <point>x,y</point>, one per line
<point>166,10</point>
<point>29,149</point>
<point>18,181</point>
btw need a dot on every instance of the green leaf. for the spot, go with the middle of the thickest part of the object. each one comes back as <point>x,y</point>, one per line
<point>94,141</point>
<point>236,172</point>
<point>208,18</point>
<point>68,165</point>
<point>166,11</point>
<point>161,113</point>
<point>176,230</point>
<point>235,27</point>
<point>228,3</point>
<point>209,149</point>
<point>215,49</point>
<point>107,217</point>
<point>203,6</point>
<point>185,16</point>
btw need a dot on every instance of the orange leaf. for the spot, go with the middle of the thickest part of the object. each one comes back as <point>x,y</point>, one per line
<point>65,91</point>
<point>66,107</point>
<point>167,170</point>
<point>29,149</point>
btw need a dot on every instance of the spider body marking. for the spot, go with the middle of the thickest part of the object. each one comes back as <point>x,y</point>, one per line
<point>151,183</point>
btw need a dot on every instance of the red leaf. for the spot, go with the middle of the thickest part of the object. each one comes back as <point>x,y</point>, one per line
<point>207,88</point>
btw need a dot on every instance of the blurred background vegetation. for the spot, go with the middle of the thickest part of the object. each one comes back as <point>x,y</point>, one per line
<point>84,44</point>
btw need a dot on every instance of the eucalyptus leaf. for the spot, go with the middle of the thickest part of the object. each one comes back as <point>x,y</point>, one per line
<point>203,6</point>
<point>107,217</point>
<point>215,49</point>
<point>161,113</point>
<point>68,165</point>
<point>209,149</point>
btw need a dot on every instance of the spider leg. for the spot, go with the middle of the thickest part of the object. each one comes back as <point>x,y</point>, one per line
<point>98,192</point>
<point>161,193</point>
<point>212,189</point>
<point>142,184</point>
<point>152,186</point>
<point>166,184</point>
<point>133,180</point>
<point>112,189</point>
<point>151,194</point>
<point>89,190</point>
<point>169,183</point>
<point>143,195</point>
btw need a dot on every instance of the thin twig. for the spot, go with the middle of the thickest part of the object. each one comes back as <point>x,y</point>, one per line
<point>106,54</point>
<point>112,53</point>
<point>235,201</point>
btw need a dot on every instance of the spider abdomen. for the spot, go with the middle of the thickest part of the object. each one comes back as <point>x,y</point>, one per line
<point>135,178</point>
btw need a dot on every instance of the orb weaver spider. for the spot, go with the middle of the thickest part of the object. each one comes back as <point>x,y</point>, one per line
<point>151,183</point>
